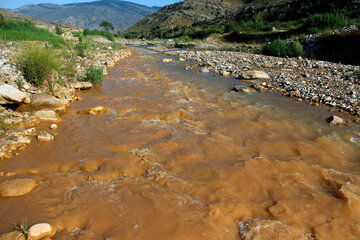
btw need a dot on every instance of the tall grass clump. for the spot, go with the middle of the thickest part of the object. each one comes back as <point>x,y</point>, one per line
<point>15,30</point>
<point>320,22</point>
<point>95,32</point>
<point>38,64</point>
<point>280,48</point>
<point>94,75</point>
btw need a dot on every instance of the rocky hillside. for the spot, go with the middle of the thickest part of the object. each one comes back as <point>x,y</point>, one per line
<point>121,14</point>
<point>189,12</point>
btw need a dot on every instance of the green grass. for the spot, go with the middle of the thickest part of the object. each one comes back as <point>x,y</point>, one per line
<point>15,30</point>
<point>280,48</point>
<point>93,75</point>
<point>321,22</point>
<point>95,32</point>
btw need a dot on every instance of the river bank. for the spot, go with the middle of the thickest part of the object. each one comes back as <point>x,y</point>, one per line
<point>317,82</point>
<point>26,106</point>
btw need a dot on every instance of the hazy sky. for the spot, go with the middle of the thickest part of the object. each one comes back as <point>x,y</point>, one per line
<point>11,4</point>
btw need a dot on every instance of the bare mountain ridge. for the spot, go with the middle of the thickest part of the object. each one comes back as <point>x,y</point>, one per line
<point>121,14</point>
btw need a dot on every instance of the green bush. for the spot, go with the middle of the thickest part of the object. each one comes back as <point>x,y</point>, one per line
<point>2,21</point>
<point>15,30</point>
<point>58,29</point>
<point>38,64</point>
<point>93,75</point>
<point>81,48</point>
<point>280,48</point>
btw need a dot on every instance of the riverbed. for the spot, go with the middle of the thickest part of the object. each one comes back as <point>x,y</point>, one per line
<point>179,156</point>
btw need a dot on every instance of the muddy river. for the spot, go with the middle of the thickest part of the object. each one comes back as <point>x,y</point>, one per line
<point>180,157</point>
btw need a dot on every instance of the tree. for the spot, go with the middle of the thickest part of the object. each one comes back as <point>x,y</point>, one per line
<point>107,25</point>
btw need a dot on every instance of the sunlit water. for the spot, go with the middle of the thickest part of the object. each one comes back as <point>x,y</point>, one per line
<point>179,156</point>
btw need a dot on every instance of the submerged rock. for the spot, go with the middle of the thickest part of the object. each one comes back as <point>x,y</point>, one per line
<point>17,187</point>
<point>47,116</point>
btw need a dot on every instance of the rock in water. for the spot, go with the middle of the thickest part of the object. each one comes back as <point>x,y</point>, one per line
<point>205,70</point>
<point>167,60</point>
<point>81,85</point>
<point>17,187</point>
<point>43,101</point>
<point>10,94</point>
<point>335,120</point>
<point>47,116</point>
<point>41,230</point>
<point>97,110</point>
<point>253,75</point>
<point>53,126</point>
<point>45,137</point>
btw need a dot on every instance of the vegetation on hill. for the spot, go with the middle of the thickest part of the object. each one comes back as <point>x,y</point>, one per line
<point>16,30</point>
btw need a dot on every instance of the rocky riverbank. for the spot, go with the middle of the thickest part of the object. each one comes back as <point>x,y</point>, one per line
<point>318,82</point>
<point>23,106</point>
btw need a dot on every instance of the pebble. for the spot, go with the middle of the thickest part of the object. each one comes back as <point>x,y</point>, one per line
<point>41,230</point>
<point>53,126</point>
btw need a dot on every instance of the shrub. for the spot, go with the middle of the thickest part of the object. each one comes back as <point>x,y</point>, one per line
<point>93,75</point>
<point>2,21</point>
<point>106,34</point>
<point>58,29</point>
<point>38,64</point>
<point>81,48</point>
<point>280,48</point>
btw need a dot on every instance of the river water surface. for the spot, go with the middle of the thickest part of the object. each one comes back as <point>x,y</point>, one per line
<point>180,157</point>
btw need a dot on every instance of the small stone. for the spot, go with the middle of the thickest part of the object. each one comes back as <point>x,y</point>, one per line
<point>22,139</point>
<point>17,187</point>
<point>181,59</point>
<point>335,120</point>
<point>26,100</point>
<point>295,94</point>
<point>225,73</point>
<point>253,75</point>
<point>47,116</point>
<point>97,110</point>
<point>45,137</point>
<point>167,60</point>
<point>205,70</point>
<point>53,126</point>
<point>13,120</point>
<point>41,230</point>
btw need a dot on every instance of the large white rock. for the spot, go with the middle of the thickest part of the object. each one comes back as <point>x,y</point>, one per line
<point>17,187</point>
<point>47,116</point>
<point>10,94</point>
<point>254,75</point>
<point>41,230</point>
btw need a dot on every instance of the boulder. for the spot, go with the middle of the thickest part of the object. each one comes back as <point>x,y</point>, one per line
<point>41,230</point>
<point>43,101</point>
<point>10,94</point>
<point>47,116</point>
<point>81,85</point>
<point>335,120</point>
<point>45,137</point>
<point>253,75</point>
<point>17,187</point>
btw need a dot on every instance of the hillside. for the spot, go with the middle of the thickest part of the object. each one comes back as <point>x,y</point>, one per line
<point>189,12</point>
<point>121,14</point>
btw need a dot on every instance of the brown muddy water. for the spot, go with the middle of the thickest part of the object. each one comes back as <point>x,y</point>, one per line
<point>180,157</point>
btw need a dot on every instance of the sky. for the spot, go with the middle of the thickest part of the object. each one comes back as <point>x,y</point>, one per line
<point>11,4</point>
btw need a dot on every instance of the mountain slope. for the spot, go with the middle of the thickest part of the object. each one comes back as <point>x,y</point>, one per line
<point>121,14</point>
<point>186,13</point>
